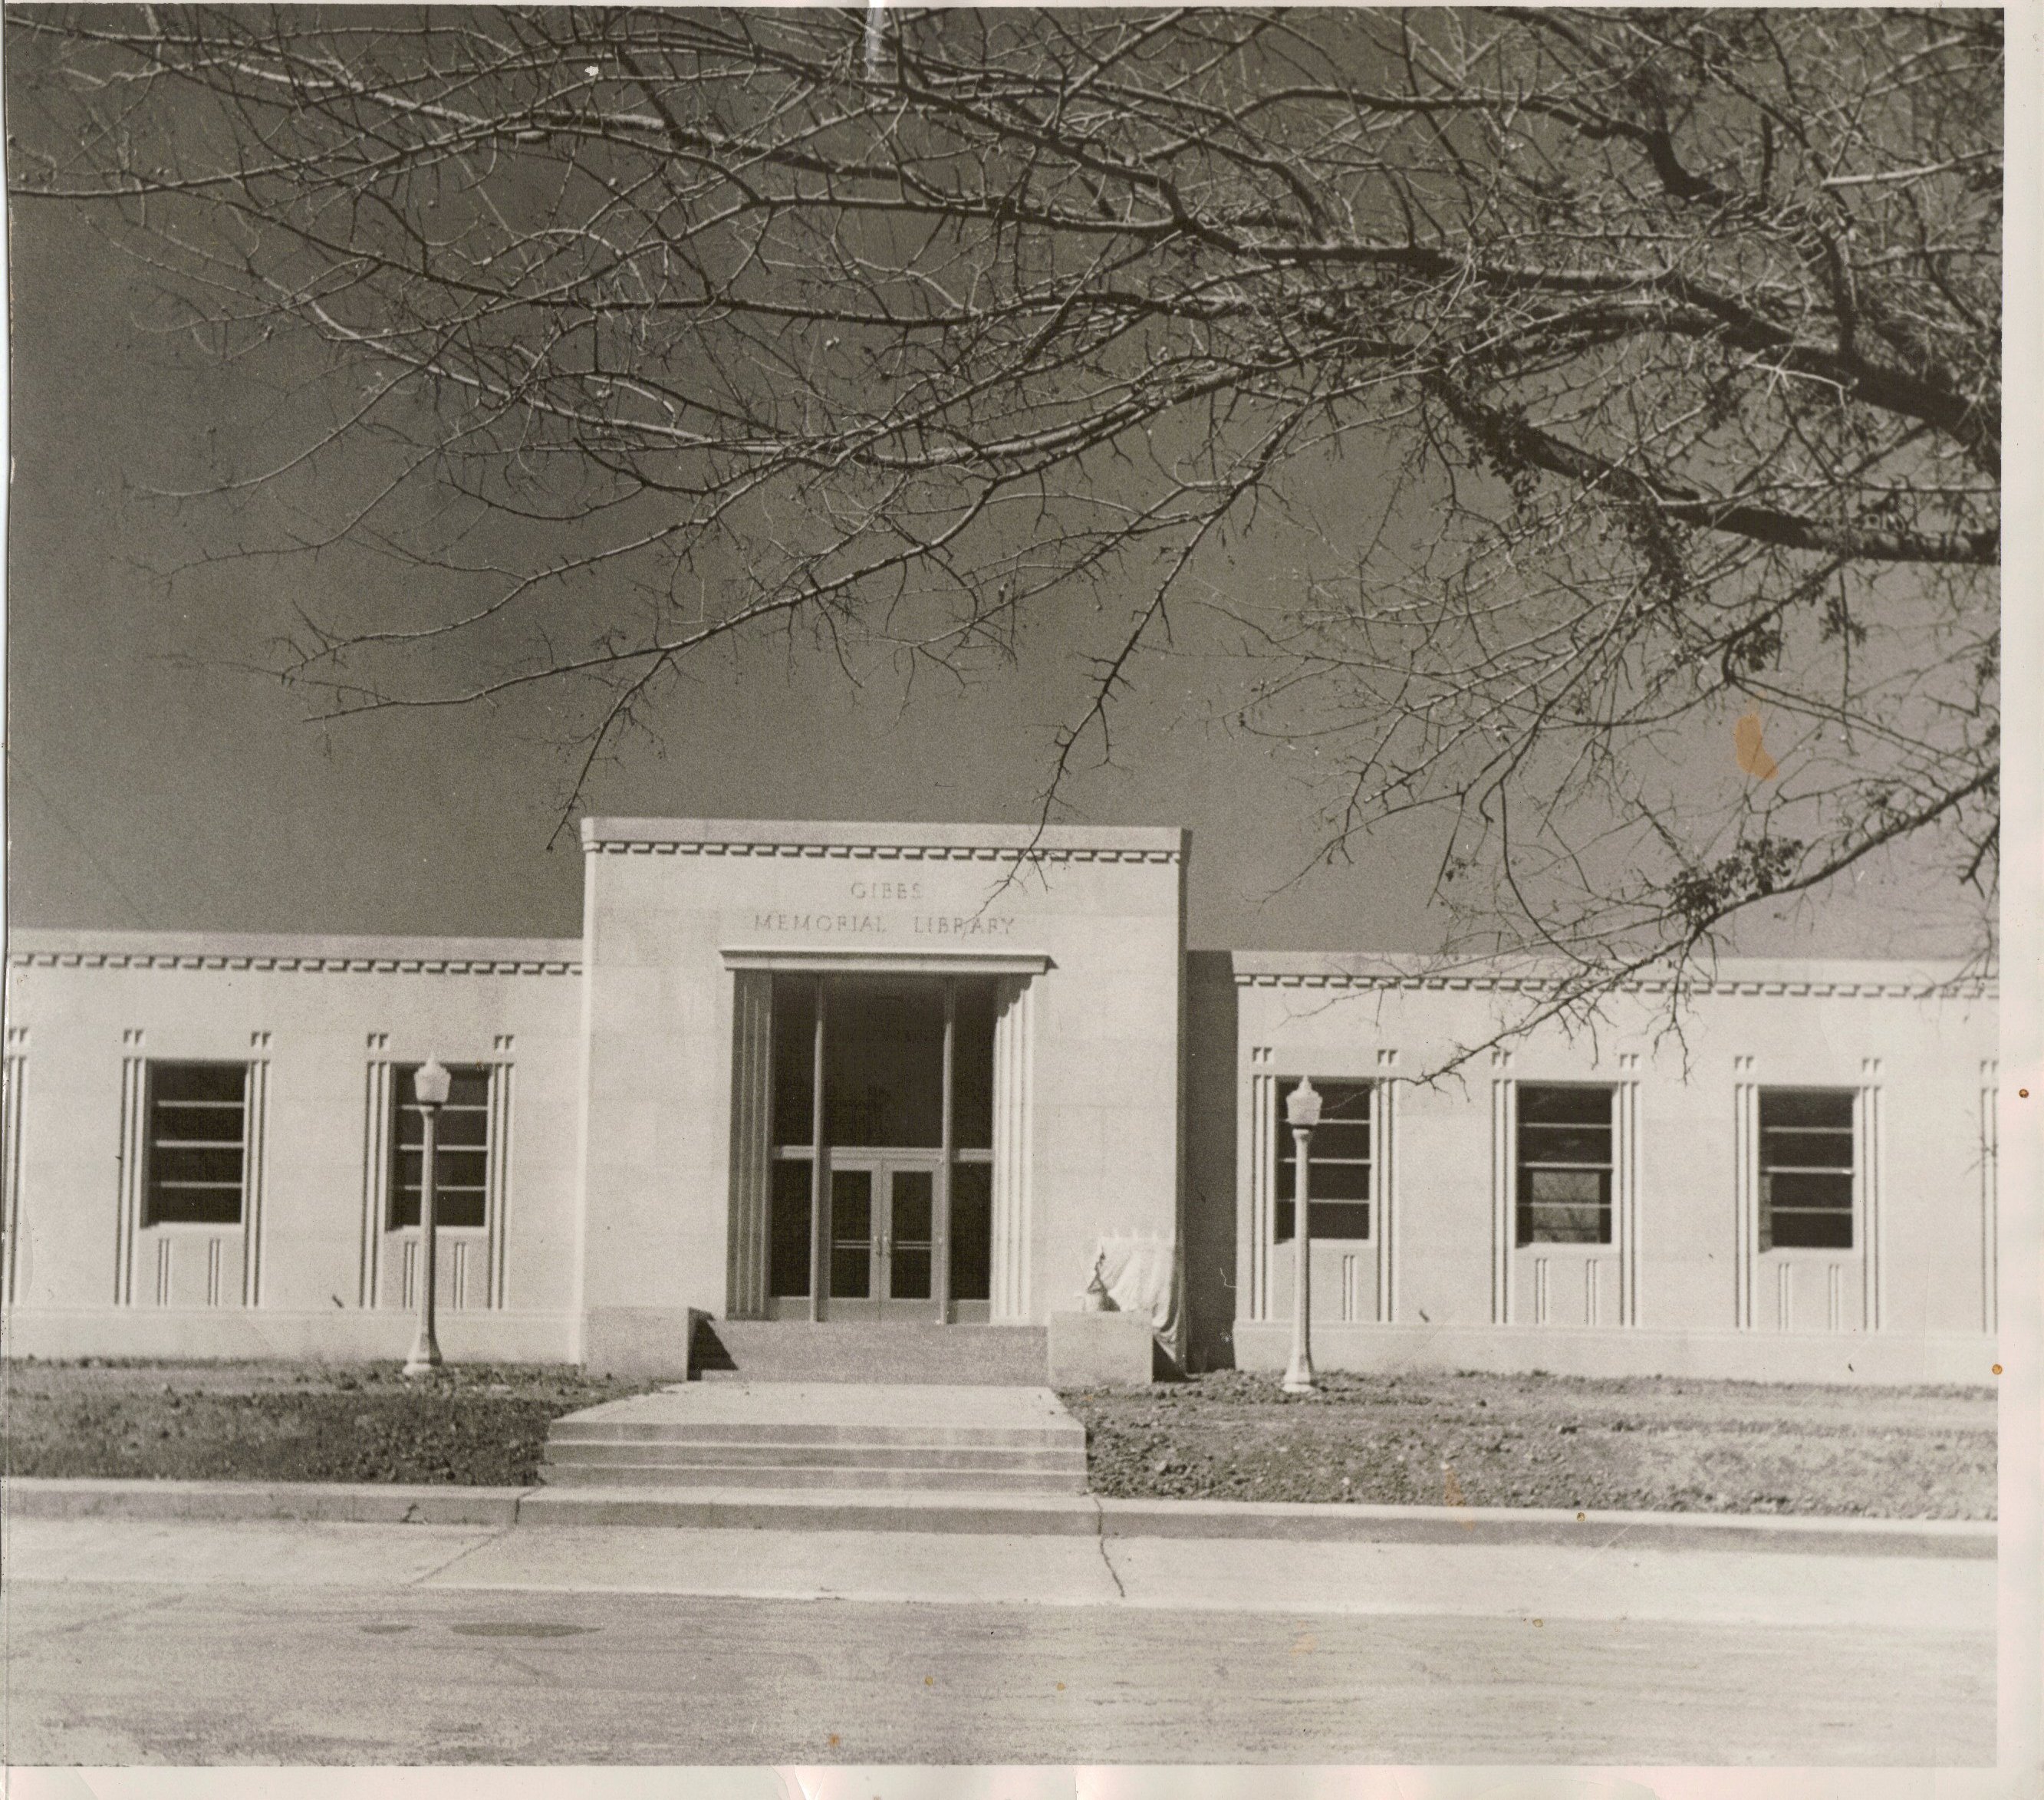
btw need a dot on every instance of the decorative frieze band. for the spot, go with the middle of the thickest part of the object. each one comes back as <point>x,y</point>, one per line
<point>1539,985</point>
<point>881,853</point>
<point>299,964</point>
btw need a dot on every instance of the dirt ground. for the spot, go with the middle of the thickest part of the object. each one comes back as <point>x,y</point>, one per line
<point>1661,1445</point>
<point>1478,1440</point>
<point>475,1425</point>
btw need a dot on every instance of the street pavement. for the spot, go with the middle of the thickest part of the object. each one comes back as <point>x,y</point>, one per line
<point>194,1641</point>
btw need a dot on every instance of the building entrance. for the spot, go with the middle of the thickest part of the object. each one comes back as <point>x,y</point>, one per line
<point>882,1231</point>
<point>882,1126</point>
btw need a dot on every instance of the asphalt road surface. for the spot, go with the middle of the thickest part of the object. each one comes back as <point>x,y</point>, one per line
<point>308,1649</point>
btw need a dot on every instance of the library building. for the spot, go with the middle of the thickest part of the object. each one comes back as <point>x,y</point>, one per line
<point>919,1096</point>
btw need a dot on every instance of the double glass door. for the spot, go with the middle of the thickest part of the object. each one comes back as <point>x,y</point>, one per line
<point>880,1116</point>
<point>881,1230</point>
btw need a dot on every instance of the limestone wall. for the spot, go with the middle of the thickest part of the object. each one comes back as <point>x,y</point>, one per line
<point>314,1266</point>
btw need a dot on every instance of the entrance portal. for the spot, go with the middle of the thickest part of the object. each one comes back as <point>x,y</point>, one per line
<point>880,1205</point>
<point>882,1231</point>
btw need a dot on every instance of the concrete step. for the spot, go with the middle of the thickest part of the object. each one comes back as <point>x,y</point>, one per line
<point>855,1479</point>
<point>837,1436</point>
<point>815,1508</point>
<point>581,1429</point>
<point>870,1351</point>
<point>770,1455</point>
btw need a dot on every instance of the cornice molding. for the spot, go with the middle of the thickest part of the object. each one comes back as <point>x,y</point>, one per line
<point>223,952</point>
<point>799,958</point>
<point>294,964</point>
<point>829,841</point>
<point>1536,985</point>
<point>881,853</point>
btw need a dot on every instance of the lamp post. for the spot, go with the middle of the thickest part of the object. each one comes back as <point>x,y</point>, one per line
<point>430,1087</point>
<point>1302,1113</point>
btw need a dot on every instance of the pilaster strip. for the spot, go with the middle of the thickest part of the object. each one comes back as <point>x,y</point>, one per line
<point>1384,1178</point>
<point>1013,1049</point>
<point>499,1214</point>
<point>1263,1187</point>
<point>751,1140</point>
<point>375,1172</point>
<point>1504,1180</point>
<point>1628,1215</point>
<point>1872,1148</point>
<point>12,1106</point>
<point>1990,1125</point>
<point>134,1096</point>
<point>1746,1195</point>
<point>255,1165</point>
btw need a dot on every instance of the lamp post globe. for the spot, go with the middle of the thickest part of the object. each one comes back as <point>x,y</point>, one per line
<point>1302,1113</point>
<point>430,1088</point>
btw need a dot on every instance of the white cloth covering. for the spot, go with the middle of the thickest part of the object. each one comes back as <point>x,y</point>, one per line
<point>1141,1276</point>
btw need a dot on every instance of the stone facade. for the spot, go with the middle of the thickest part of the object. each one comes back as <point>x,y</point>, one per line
<point>620,1153</point>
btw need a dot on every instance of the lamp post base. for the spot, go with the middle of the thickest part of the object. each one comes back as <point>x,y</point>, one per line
<point>1300,1377</point>
<point>425,1359</point>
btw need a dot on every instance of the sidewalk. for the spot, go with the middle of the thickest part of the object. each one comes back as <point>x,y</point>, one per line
<point>923,1515</point>
<point>1534,1582</point>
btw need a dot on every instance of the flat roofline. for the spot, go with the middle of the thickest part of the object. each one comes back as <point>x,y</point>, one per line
<point>1155,840</point>
<point>269,947</point>
<point>1390,966</point>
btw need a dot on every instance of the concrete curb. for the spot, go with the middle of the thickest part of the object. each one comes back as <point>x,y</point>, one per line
<point>342,1502</point>
<point>1021,1515</point>
<point>1086,1516</point>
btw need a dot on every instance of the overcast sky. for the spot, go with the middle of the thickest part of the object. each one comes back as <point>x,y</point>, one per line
<point>157,785</point>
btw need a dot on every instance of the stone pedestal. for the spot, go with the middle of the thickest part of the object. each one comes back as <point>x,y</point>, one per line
<point>1100,1349</point>
<point>640,1343</point>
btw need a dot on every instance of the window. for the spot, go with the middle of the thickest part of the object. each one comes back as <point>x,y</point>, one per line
<point>1339,1155</point>
<point>1564,1165</point>
<point>461,1162</point>
<point>1806,1169</point>
<point>197,1131</point>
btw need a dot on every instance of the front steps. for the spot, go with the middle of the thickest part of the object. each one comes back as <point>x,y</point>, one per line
<point>753,1349</point>
<point>839,1435</point>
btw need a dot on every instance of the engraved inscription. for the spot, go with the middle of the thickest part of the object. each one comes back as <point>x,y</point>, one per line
<point>877,924</point>
<point>837,924</point>
<point>962,925</point>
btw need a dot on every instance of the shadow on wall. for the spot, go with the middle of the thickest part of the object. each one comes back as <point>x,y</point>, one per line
<point>1211,1029</point>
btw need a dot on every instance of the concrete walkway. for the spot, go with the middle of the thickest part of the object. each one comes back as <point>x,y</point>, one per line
<point>1471,1580</point>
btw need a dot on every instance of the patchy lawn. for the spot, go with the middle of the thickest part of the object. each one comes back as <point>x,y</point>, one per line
<point>1659,1444</point>
<point>471,1426</point>
<point>1664,1445</point>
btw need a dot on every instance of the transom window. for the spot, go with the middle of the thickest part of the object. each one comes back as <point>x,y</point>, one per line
<point>461,1158</point>
<point>1337,1161</point>
<point>1806,1169</point>
<point>1565,1164</point>
<point>199,1114</point>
